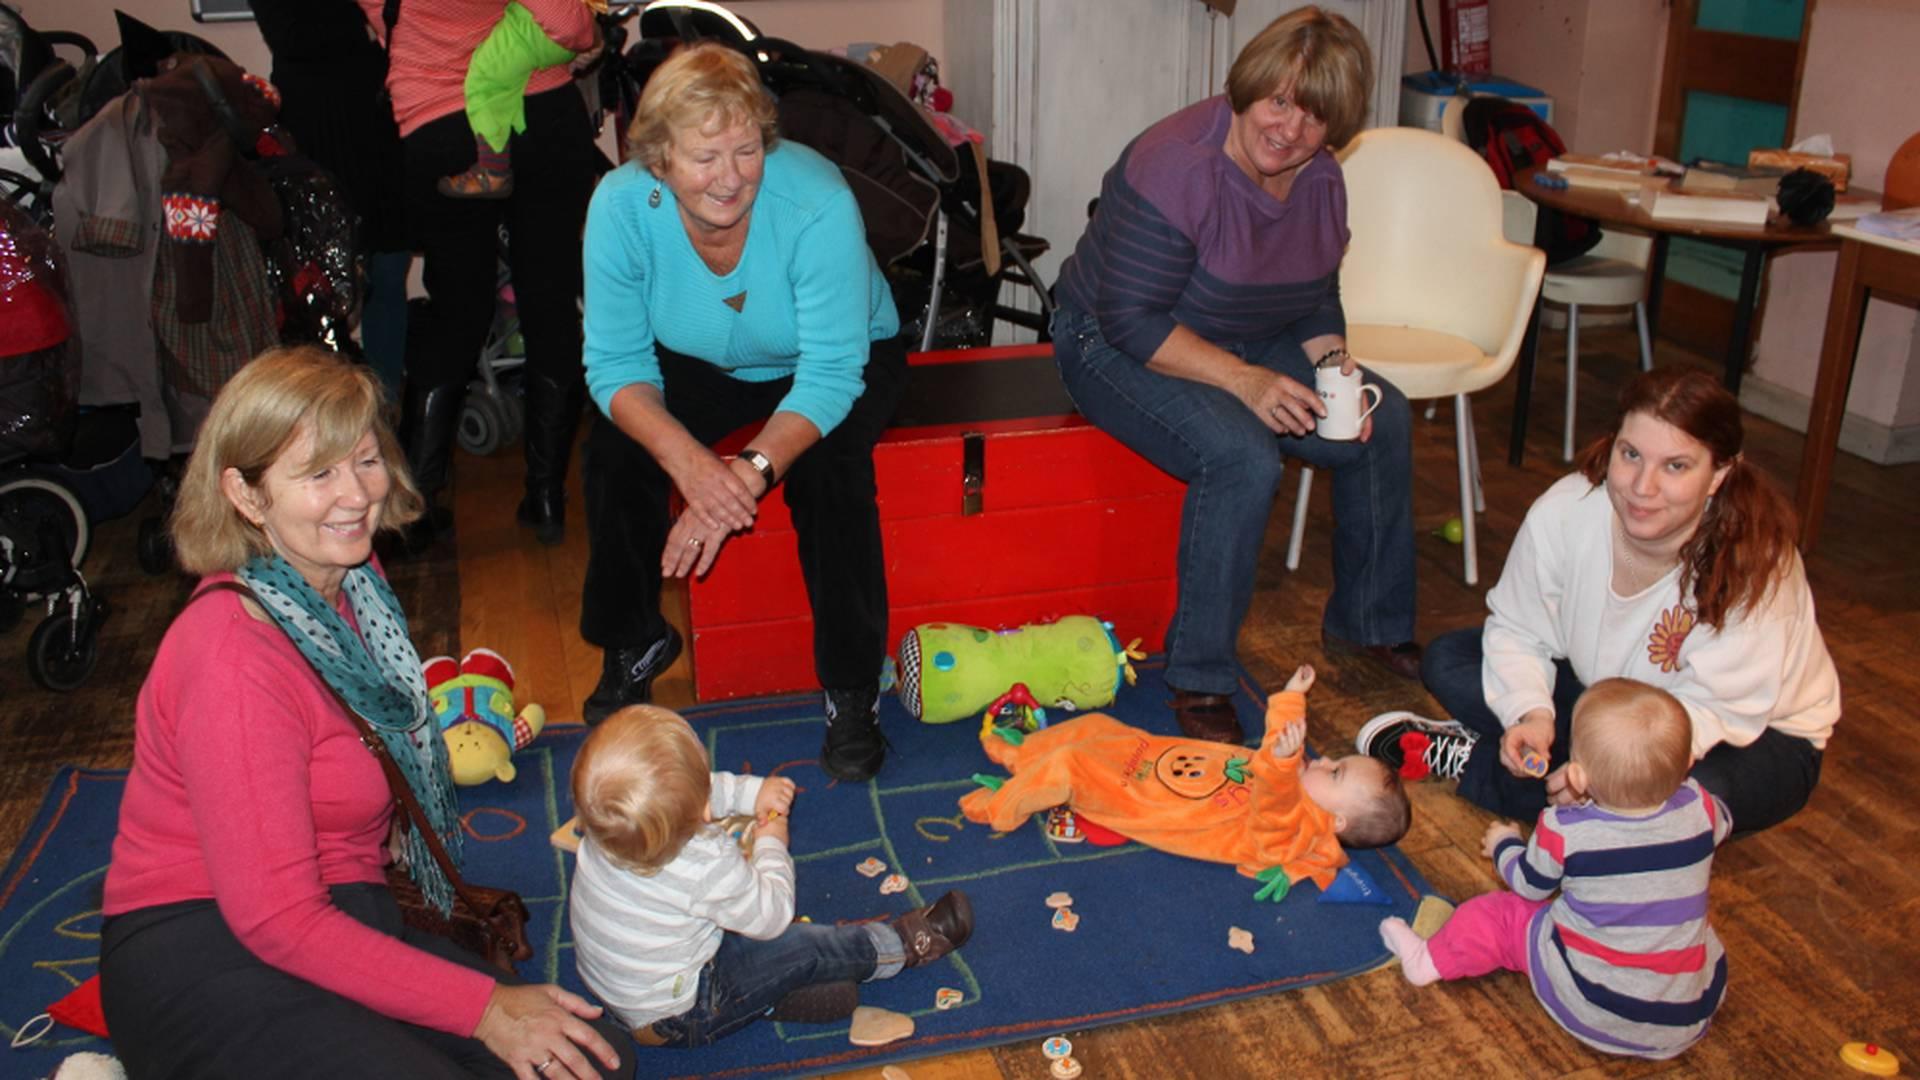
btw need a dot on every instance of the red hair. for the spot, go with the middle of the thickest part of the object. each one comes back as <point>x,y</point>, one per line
<point>1744,543</point>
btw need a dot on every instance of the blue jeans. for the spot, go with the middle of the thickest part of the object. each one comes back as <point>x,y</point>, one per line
<point>1231,463</point>
<point>1763,783</point>
<point>747,978</point>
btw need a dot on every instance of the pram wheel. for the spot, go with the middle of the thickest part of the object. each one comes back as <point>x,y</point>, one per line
<point>155,549</point>
<point>488,420</point>
<point>64,648</point>
<point>44,535</point>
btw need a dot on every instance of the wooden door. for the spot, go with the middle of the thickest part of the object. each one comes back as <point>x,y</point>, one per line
<point>1731,80</point>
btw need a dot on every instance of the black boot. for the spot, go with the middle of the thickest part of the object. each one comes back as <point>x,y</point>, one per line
<point>626,676</point>
<point>553,417</point>
<point>854,747</point>
<point>431,418</point>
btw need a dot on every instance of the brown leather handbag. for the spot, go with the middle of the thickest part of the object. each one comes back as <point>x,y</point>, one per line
<point>491,923</point>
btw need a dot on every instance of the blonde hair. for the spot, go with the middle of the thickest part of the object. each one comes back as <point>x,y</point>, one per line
<point>269,403</point>
<point>1635,742</point>
<point>696,86</point>
<point>1386,816</point>
<point>1317,55</point>
<point>641,784</point>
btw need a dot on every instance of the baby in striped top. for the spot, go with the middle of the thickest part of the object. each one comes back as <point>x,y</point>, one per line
<point>1622,957</point>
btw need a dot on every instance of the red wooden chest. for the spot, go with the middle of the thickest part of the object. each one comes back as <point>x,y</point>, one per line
<point>999,506</point>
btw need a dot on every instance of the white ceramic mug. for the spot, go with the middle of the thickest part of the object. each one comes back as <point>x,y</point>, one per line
<point>1343,395</point>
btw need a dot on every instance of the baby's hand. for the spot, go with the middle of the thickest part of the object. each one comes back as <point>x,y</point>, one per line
<point>775,827</point>
<point>1496,834</point>
<point>776,796</point>
<point>1302,680</point>
<point>1290,740</point>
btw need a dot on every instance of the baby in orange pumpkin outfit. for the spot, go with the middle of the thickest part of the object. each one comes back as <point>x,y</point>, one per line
<point>1257,809</point>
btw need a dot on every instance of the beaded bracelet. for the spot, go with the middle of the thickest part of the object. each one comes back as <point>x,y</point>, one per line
<point>1337,352</point>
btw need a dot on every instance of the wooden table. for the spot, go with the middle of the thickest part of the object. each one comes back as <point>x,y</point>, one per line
<point>1614,209</point>
<point>1867,263</point>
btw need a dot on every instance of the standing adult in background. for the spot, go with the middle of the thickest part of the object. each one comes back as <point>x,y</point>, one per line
<point>428,46</point>
<point>729,285</point>
<point>1190,319</point>
<point>1668,558</point>
<point>332,75</point>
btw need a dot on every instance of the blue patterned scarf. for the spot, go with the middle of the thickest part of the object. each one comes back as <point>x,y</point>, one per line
<point>377,673</point>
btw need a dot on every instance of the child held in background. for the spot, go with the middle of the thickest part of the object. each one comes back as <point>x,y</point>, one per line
<point>1623,958</point>
<point>685,938</point>
<point>496,90</point>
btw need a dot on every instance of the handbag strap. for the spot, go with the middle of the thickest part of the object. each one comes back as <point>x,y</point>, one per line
<point>403,795</point>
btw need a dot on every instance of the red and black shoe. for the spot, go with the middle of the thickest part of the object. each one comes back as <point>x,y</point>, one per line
<point>1416,747</point>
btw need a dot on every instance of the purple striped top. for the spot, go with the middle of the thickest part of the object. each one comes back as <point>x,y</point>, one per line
<point>1182,236</point>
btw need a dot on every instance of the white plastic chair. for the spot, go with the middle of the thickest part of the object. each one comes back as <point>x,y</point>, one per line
<point>1437,299</point>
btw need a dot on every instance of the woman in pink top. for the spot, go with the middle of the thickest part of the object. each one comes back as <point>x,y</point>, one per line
<point>249,931</point>
<point>429,44</point>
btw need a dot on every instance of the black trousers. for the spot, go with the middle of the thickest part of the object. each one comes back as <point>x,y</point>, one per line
<point>184,998</point>
<point>1763,783</point>
<point>829,490</point>
<point>554,169</point>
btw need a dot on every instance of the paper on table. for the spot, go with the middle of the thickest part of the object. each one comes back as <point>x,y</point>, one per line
<point>1894,224</point>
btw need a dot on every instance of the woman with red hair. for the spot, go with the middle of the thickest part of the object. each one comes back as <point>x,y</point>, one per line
<point>1667,558</point>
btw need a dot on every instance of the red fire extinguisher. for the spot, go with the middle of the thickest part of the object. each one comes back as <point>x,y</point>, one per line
<point>1466,37</point>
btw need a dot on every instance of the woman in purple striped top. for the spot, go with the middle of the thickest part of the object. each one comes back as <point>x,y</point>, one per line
<point>1190,319</point>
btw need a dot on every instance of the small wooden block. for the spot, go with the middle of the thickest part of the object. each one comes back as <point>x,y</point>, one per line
<point>567,837</point>
<point>947,997</point>
<point>1240,939</point>
<point>878,1027</point>
<point>1534,764</point>
<point>1065,919</point>
<point>894,1072</point>
<point>872,867</point>
<point>1059,900</point>
<point>1056,1048</point>
<point>894,883</point>
<point>1064,1069</point>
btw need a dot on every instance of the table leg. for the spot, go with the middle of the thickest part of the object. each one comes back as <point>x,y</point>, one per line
<point>1523,386</point>
<point>1656,279</point>
<point>1846,311</point>
<point>1740,342</point>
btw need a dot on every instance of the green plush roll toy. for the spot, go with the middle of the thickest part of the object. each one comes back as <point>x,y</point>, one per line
<point>949,672</point>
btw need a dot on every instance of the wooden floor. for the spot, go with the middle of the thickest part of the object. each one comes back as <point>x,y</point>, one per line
<point>1816,915</point>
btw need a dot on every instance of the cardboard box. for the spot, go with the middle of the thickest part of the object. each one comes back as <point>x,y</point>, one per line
<point>999,505</point>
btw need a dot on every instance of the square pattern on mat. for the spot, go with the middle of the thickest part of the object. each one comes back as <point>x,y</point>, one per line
<point>1152,935</point>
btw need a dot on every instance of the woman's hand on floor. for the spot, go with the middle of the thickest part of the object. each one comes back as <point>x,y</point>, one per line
<point>543,1034</point>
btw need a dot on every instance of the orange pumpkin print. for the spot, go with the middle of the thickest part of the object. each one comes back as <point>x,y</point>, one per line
<point>1195,770</point>
<point>1669,634</point>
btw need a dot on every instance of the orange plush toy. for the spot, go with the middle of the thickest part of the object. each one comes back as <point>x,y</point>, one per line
<point>1204,800</point>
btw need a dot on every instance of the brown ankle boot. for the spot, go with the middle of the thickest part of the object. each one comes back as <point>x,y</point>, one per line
<point>1207,716</point>
<point>936,930</point>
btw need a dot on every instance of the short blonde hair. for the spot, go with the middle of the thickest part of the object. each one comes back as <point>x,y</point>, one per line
<point>1386,816</point>
<point>1321,57</point>
<point>641,784</point>
<point>1635,742</point>
<point>696,86</point>
<point>256,416</point>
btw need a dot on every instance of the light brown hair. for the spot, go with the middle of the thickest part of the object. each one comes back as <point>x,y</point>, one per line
<point>641,785</point>
<point>1634,741</point>
<point>1321,57</point>
<point>255,418</point>
<point>697,86</point>
<point>1744,544</point>
<point>1385,818</point>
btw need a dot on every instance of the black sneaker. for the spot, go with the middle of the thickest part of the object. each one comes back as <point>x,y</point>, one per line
<point>1416,747</point>
<point>626,676</point>
<point>854,747</point>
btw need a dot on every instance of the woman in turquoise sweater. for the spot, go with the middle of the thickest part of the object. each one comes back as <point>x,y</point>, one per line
<point>729,284</point>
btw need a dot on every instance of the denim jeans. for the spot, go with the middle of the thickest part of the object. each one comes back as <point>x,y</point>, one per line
<point>1762,784</point>
<point>1231,463</point>
<point>747,978</point>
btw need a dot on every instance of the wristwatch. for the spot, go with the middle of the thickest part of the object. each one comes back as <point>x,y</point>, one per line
<point>761,464</point>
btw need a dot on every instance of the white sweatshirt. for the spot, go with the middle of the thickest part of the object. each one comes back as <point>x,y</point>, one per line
<point>641,940</point>
<point>1766,667</point>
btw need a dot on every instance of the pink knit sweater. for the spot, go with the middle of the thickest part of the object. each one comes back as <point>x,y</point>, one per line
<point>250,787</point>
<point>433,39</point>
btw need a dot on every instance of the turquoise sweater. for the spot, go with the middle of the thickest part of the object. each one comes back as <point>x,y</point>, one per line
<point>814,297</point>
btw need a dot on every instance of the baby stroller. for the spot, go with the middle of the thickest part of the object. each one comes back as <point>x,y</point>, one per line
<point>922,202</point>
<point>44,531</point>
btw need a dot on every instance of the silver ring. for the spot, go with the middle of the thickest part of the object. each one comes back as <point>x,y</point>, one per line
<point>694,541</point>
<point>544,1066</point>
